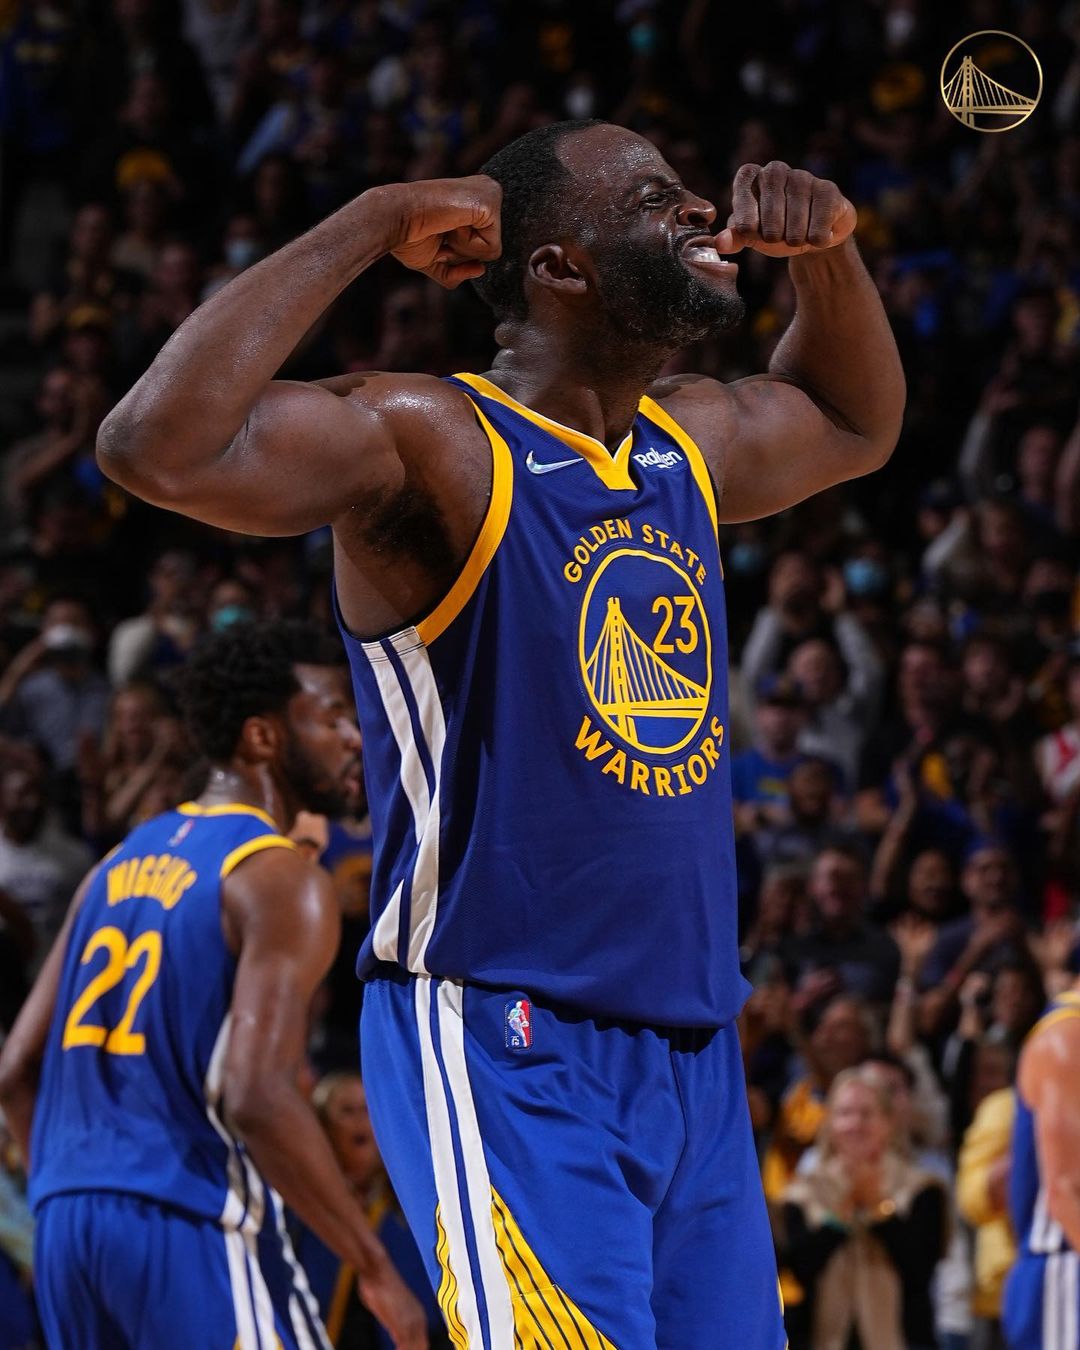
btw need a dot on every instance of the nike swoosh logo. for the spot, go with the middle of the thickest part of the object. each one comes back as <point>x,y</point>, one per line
<point>534,466</point>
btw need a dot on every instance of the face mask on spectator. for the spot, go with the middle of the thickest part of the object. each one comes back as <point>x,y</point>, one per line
<point>863,576</point>
<point>227,615</point>
<point>241,253</point>
<point>746,557</point>
<point>68,638</point>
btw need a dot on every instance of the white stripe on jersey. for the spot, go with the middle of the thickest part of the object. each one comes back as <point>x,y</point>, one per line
<point>1047,1235</point>
<point>301,1289</point>
<point>445,1169</point>
<point>424,901</point>
<point>236,1211</point>
<point>1071,1310</point>
<point>496,1289</point>
<point>247,1338</point>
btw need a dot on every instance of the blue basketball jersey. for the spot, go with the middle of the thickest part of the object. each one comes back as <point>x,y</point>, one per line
<point>1038,1233</point>
<point>546,752</point>
<point>130,1095</point>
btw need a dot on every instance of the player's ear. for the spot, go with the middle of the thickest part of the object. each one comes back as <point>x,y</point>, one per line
<point>552,266</point>
<point>260,740</point>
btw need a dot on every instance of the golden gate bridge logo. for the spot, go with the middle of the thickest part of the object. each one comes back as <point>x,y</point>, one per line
<point>642,695</point>
<point>979,101</point>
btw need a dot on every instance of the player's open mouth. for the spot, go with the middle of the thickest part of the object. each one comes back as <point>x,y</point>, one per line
<point>701,252</point>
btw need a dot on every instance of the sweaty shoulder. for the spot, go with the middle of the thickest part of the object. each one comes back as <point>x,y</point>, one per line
<point>276,890</point>
<point>411,405</point>
<point>1053,1047</point>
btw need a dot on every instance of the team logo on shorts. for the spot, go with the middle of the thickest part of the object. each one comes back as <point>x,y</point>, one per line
<point>519,1025</point>
<point>646,650</point>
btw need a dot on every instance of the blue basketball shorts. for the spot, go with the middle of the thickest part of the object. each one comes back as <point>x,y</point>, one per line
<point>572,1184</point>
<point>115,1271</point>
<point>1041,1307</point>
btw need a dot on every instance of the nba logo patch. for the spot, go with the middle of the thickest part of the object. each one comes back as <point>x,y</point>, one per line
<point>182,833</point>
<point>519,1025</point>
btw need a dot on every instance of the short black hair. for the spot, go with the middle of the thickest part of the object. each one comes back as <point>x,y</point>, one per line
<point>537,189</point>
<point>247,670</point>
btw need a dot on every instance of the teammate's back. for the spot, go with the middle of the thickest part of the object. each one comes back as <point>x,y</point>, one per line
<point>151,1078</point>
<point>1041,1306</point>
<point>131,1085</point>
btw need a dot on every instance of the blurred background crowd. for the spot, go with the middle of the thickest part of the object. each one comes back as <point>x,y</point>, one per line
<point>906,649</point>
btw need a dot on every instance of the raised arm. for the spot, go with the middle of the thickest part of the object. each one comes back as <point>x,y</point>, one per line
<point>208,431</point>
<point>831,405</point>
<point>280,914</point>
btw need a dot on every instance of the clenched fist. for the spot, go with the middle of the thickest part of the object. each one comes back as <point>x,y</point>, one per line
<point>783,212</point>
<point>447,228</point>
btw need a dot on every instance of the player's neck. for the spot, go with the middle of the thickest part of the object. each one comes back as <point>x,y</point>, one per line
<point>228,785</point>
<point>570,386</point>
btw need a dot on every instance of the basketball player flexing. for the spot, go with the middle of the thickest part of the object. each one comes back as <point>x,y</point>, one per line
<point>157,1054</point>
<point>531,593</point>
<point>1042,1297</point>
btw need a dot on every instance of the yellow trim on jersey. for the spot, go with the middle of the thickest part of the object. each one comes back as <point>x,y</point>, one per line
<point>237,856</point>
<point>448,1287</point>
<point>1052,1018</point>
<point>613,470</point>
<point>339,1303</point>
<point>228,809</point>
<point>698,467</point>
<point>543,1314</point>
<point>487,541</point>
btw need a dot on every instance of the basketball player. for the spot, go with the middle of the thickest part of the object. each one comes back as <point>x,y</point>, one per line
<point>157,1053</point>
<point>530,588</point>
<point>1042,1297</point>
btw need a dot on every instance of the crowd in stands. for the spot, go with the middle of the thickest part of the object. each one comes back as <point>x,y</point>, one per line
<point>905,648</point>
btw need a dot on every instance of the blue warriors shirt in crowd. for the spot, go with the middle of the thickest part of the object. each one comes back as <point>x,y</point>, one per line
<point>1042,1297</point>
<point>546,752</point>
<point>131,1083</point>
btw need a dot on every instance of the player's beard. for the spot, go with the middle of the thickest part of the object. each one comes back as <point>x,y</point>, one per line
<point>310,785</point>
<point>655,298</point>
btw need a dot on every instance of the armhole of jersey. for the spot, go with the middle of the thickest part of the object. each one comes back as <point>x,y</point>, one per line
<point>237,856</point>
<point>698,467</point>
<point>487,541</point>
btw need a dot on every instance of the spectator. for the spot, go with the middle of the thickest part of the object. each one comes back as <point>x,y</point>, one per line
<point>843,950</point>
<point>840,1036</point>
<point>164,633</point>
<point>813,821</point>
<point>40,863</point>
<point>796,628</point>
<point>993,930</point>
<point>52,692</point>
<point>863,1231</point>
<point>71,408</point>
<point>759,776</point>
<point>926,693</point>
<point>87,277</point>
<point>141,743</point>
<point>982,1181</point>
<point>341,1106</point>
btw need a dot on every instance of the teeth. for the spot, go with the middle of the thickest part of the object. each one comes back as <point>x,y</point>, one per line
<point>702,253</point>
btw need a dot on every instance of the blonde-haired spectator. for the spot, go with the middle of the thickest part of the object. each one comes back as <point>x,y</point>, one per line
<point>863,1230</point>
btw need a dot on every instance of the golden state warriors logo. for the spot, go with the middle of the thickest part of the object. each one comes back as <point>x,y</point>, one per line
<point>972,93</point>
<point>646,650</point>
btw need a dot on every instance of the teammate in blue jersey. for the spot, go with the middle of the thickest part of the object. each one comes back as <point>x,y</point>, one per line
<point>529,582</point>
<point>156,1056</point>
<point>1041,1307</point>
